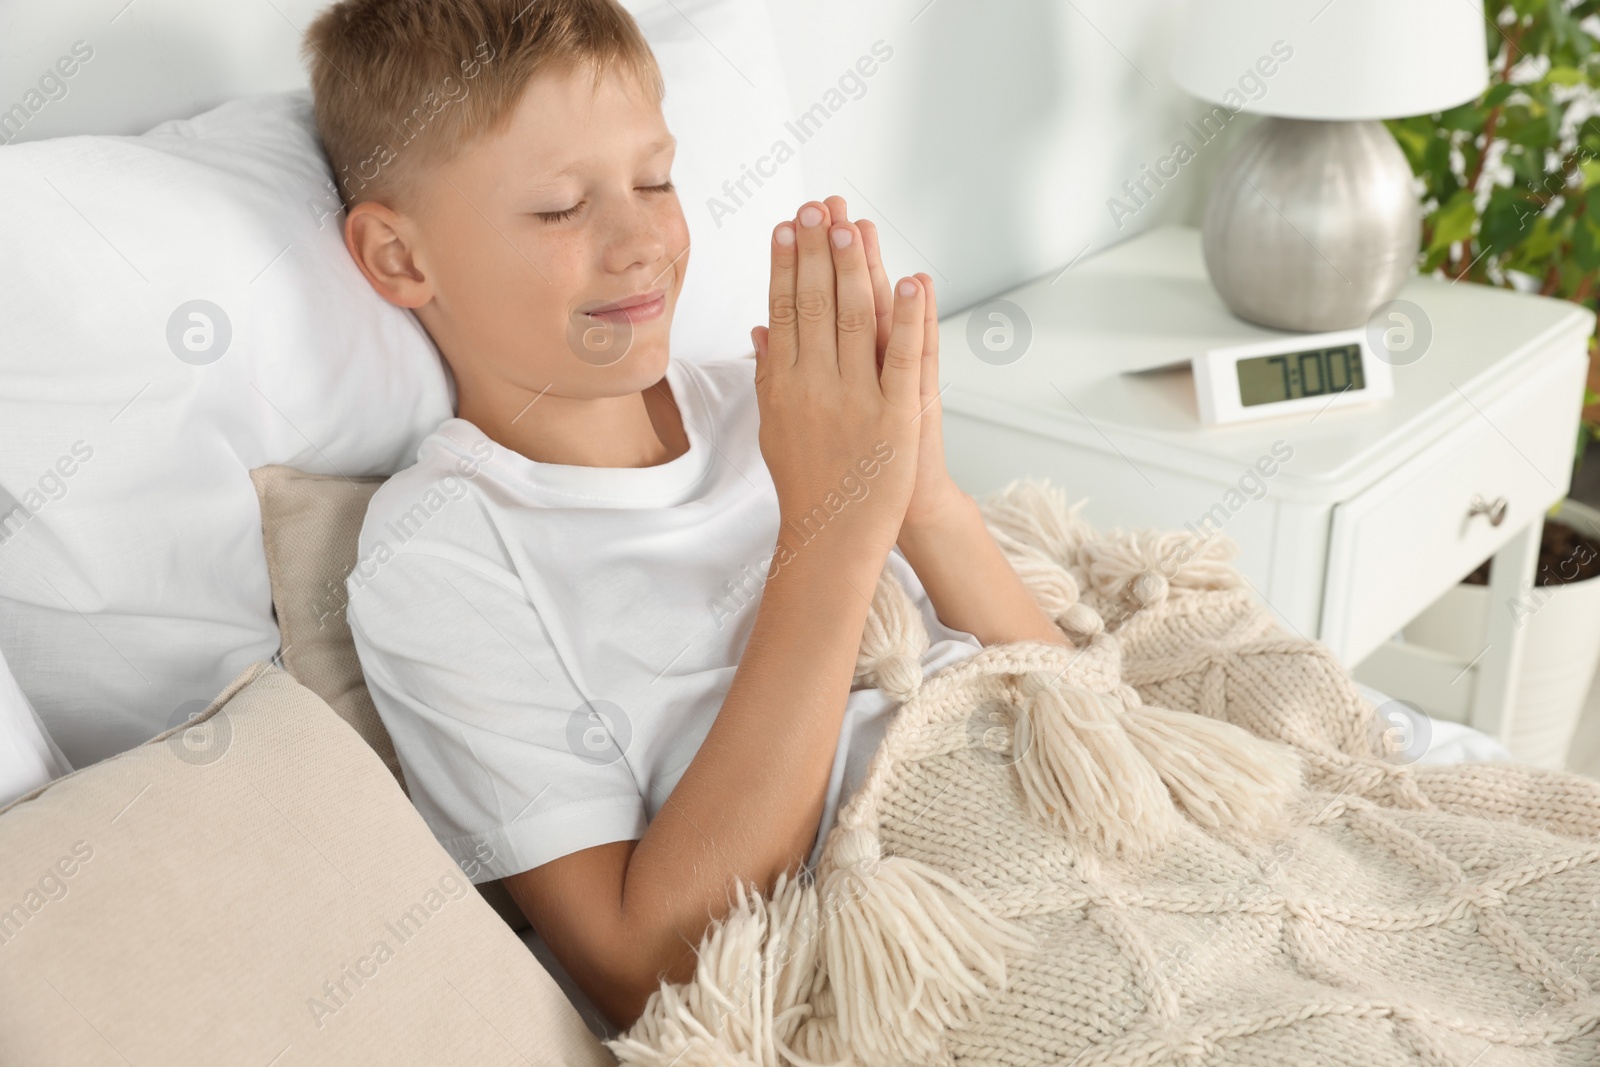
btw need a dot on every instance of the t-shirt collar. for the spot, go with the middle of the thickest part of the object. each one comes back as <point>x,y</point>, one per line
<point>537,483</point>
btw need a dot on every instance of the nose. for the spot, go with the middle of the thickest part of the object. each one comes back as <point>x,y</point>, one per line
<point>636,239</point>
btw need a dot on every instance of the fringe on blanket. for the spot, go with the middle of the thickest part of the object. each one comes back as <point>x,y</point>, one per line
<point>917,952</point>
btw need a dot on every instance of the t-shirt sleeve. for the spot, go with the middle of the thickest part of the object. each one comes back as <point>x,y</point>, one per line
<point>497,746</point>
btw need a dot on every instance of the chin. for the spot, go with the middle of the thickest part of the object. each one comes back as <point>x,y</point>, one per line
<point>643,366</point>
<point>647,360</point>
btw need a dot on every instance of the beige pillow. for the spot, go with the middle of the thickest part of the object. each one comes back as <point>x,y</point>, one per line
<point>310,526</point>
<point>251,887</point>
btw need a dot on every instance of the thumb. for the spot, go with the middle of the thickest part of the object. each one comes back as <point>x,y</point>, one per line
<point>901,379</point>
<point>758,337</point>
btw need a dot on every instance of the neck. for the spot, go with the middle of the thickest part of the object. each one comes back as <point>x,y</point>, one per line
<point>640,429</point>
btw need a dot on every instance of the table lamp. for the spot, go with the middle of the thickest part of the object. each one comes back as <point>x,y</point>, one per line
<point>1313,221</point>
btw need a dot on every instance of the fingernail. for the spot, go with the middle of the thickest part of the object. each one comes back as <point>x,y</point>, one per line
<point>810,216</point>
<point>785,235</point>
<point>908,288</point>
<point>842,237</point>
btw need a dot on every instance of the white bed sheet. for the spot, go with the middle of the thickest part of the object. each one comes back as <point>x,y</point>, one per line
<point>1450,742</point>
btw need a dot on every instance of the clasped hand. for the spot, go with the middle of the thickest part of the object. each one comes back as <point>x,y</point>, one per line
<point>847,371</point>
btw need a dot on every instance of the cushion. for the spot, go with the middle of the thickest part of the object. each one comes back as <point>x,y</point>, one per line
<point>255,888</point>
<point>187,312</point>
<point>310,524</point>
<point>28,757</point>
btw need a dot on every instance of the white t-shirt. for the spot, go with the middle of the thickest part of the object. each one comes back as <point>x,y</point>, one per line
<point>548,645</point>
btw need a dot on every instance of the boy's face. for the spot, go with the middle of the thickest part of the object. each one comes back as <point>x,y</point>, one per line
<point>522,245</point>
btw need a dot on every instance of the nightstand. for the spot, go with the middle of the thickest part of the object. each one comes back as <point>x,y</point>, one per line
<point>1369,513</point>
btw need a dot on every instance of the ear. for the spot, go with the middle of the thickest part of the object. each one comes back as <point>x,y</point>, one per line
<point>379,241</point>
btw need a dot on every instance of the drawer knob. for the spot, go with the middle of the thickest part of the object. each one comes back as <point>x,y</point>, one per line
<point>1495,509</point>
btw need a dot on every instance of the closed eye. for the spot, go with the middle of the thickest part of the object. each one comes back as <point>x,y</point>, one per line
<point>559,216</point>
<point>567,213</point>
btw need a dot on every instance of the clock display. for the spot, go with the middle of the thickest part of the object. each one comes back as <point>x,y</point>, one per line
<point>1316,372</point>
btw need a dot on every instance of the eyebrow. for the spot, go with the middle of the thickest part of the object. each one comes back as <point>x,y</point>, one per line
<point>653,148</point>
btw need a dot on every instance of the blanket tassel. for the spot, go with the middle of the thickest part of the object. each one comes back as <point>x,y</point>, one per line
<point>1220,774</point>
<point>909,951</point>
<point>751,1002</point>
<point>1079,770</point>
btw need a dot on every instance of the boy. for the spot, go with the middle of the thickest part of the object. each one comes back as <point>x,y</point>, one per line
<point>616,640</point>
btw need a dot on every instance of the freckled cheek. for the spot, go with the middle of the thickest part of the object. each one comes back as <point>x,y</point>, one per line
<point>677,242</point>
<point>565,281</point>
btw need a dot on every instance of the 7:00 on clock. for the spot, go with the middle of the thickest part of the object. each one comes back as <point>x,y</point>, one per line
<point>1269,379</point>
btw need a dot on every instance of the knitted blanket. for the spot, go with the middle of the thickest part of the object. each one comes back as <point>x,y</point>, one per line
<point>1181,842</point>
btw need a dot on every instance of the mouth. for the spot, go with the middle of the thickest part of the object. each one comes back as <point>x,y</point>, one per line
<point>641,307</point>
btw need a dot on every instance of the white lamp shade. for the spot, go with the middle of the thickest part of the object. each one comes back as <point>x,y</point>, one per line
<point>1346,59</point>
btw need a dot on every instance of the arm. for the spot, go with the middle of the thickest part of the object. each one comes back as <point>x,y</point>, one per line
<point>969,581</point>
<point>617,916</point>
<point>622,916</point>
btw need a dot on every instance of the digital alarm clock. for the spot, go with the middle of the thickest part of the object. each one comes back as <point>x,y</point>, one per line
<point>1310,372</point>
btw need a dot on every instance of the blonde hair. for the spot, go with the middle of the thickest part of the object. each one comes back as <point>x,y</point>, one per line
<point>400,84</point>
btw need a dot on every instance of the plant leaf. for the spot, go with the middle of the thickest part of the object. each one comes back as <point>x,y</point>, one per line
<point>1497,94</point>
<point>1454,221</point>
<point>1585,245</point>
<point>1506,219</point>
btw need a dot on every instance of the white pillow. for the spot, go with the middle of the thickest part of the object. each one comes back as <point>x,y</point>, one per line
<point>28,757</point>
<point>132,575</point>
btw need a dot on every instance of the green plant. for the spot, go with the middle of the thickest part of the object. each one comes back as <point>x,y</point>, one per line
<point>1513,178</point>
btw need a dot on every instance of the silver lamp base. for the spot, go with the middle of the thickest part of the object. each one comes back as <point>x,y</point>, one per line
<point>1312,225</point>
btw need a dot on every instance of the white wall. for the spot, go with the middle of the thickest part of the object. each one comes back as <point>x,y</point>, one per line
<point>990,142</point>
<point>153,59</point>
<point>986,146</point>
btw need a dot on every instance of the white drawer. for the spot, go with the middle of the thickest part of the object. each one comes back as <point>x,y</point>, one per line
<point>1397,546</point>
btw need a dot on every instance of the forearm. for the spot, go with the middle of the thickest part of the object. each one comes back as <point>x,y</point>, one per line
<point>748,805</point>
<point>971,584</point>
